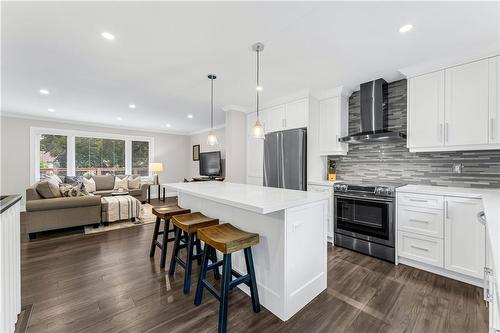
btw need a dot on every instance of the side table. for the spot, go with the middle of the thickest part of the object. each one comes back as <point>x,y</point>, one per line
<point>159,190</point>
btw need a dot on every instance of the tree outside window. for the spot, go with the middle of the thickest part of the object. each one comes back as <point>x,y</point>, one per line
<point>53,155</point>
<point>140,158</point>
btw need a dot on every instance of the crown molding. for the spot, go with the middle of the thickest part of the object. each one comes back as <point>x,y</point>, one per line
<point>205,130</point>
<point>443,63</point>
<point>238,108</point>
<point>6,114</point>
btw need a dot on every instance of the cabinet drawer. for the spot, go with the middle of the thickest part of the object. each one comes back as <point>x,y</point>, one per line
<point>424,249</point>
<point>420,200</point>
<point>421,220</point>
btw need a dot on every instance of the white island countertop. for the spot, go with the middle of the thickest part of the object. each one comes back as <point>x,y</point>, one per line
<point>259,199</point>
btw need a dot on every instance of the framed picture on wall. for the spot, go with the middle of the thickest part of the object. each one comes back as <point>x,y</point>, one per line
<point>196,152</point>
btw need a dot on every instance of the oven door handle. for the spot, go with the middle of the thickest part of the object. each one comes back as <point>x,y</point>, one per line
<point>363,198</point>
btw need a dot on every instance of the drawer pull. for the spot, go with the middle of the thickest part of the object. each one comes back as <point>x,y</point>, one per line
<point>420,248</point>
<point>421,221</point>
<point>417,200</point>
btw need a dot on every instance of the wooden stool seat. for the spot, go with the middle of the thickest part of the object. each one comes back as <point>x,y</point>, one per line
<point>227,238</point>
<point>191,222</point>
<point>166,212</point>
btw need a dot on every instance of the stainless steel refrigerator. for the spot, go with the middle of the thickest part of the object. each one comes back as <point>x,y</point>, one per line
<point>285,159</point>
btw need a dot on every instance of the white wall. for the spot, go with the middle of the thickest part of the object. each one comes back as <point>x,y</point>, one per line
<point>201,139</point>
<point>170,149</point>
<point>236,146</point>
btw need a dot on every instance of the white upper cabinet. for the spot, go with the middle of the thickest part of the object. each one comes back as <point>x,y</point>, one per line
<point>494,100</point>
<point>333,124</point>
<point>296,114</point>
<point>455,108</point>
<point>464,237</point>
<point>466,104</point>
<point>426,102</point>
<point>272,118</point>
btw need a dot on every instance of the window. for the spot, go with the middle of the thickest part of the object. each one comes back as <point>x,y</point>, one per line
<point>100,156</point>
<point>75,153</point>
<point>53,155</point>
<point>140,158</point>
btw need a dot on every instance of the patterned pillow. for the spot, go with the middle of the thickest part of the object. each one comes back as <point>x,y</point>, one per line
<point>134,182</point>
<point>121,183</point>
<point>77,190</point>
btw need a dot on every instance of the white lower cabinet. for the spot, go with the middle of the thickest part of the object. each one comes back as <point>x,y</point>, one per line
<point>442,234</point>
<point>464,237</point>
<point>327,189</point>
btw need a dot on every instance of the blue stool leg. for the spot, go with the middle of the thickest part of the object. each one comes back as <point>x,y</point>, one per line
<point>189,263</point>
<point>213,258</point>
<point>253,283</point>
<point>175,250</point>
<point>198,250</point>
<point>203,276</point>
<point>155,236</point>
<point>226,279</point>
<point>165,243</point>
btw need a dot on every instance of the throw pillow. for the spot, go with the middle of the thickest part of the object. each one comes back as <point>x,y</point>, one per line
<point>77,190</point>
<point>89,184</point>
<point>134,182</point>
<point>121,183</point>
<point>48,188</point>
<point>72,180</point>
<point>55,178</point>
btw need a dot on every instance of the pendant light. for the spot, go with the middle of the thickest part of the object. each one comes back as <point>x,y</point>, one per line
<point>258,129</point>
<point>212,138</point>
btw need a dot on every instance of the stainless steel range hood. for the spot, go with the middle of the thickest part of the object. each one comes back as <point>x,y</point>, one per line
<point>373,114</point>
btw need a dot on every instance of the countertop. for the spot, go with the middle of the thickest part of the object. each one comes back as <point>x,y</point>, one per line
<point>321,182</point>
<point>259,199</point>
<point>491,207</point>
<point>7,201</point>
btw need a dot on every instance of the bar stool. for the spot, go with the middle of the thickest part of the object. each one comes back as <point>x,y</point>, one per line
<point>190,223</point>
<point>164,213</point>
<point>227,239</point>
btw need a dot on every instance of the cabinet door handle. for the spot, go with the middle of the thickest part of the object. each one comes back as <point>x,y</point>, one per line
<point>283,123</point>
<point>417,200</point>
<point>420,248</point>
<point>421,221</point>
<point>481,217</point>
<point>440,133</point>
<point>492,128</point>
<point>446,209</point>
<point>445,132</point>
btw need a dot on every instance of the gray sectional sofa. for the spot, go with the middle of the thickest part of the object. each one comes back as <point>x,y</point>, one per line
<point>63,212</point>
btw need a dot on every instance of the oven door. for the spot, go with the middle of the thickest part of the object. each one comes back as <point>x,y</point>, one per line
<point>368,218</point>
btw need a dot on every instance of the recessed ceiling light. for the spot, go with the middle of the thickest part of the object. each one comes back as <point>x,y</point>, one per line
<point>259,88</point>
<point>51,110</point>
<point>405,28</point>
<point>168,125</point>
<point>119,118</point>
<point>190,116</point>
<point>108,35</point>
<point>132,106</point>
<point>44,92</point>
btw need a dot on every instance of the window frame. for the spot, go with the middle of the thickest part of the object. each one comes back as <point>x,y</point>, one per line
<point>36,132</point>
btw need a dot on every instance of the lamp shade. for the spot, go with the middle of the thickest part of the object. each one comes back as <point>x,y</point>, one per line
<point>157,167</point>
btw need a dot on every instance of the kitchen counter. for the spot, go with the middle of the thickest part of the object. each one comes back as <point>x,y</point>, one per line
<point>322,182</point>
<point>259,199</point>
<point>291,257</point>
<point>491,206</point>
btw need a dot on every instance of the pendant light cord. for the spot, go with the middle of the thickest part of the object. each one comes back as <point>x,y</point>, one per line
<point>258,81</point>
<point>211,103</point>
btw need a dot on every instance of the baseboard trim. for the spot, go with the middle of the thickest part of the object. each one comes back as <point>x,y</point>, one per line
<point>441,271</point>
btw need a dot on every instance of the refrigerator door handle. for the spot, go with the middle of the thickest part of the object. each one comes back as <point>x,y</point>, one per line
<point>281,161</point>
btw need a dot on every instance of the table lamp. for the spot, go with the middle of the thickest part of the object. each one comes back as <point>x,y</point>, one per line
<point>156,167</point>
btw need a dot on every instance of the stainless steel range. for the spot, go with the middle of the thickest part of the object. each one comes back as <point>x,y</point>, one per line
<point>365,218</point>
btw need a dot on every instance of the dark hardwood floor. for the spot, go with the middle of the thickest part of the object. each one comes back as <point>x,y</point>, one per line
<point>107,283</point>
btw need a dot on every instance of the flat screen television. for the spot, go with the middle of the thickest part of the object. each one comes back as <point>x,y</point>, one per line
<point>210,164</point>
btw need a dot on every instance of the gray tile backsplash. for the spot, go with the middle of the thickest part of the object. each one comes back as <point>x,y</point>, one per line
<point>392,161</point>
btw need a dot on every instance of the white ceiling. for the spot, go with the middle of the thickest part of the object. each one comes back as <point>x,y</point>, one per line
<point>163,51</point>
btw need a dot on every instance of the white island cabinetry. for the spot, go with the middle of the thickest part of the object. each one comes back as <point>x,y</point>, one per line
<point>290,259</point>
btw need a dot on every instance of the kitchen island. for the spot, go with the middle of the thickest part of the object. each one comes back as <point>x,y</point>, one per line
<point>290,259</point>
